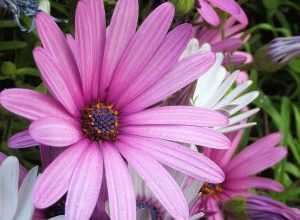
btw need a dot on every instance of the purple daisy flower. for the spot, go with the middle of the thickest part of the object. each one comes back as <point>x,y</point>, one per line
<point>103,85</point>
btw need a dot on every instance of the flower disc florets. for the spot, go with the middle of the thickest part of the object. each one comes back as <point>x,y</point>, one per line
<point>211,189</point>
<point>100,122</point>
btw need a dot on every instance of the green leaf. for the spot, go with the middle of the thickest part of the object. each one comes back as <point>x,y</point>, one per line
<point>12,45</point>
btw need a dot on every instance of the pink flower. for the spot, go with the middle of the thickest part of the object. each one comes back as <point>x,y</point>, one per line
<point>208,13</point>
<point>101,82</point>
<point>240,170</point>
<point>226,39</point>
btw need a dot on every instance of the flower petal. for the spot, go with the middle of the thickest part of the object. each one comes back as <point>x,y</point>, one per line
<point>31,104</point>
<point>85,184</point>
<point>253,182</point>
<point>177,157</point>
<point>121,29</point>
<point>256,164</point>
<point>162,185</point>
<point>25,208</point>
<point>90,41</point>
<point>55,132</point>
<point>185,72</point>
<point>9,175</point>
<point>256,149</point>
<point>177,115</point>
<point>122,203</point>
<point>55,180</point>
<point>141,48</point>
<point>22,140</point>
<point>208,13</point>
<point>56,82</point>
<point>55,43</point>
<point>185,134</point>
<point>162,61</point>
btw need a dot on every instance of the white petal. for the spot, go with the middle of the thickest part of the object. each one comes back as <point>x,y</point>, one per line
<point>236,127</point>
<point>9,177</point>
<point>60,217</point>
<point>243,101</point>
<point>209,82</point>
<point>233,94</point>
<point>242,116</point>
<point>222,90</point>
<point>192,48</point>
<point>25,208</point>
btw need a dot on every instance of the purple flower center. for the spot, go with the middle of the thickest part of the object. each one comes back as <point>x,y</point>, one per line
<point>155,215</point>
<point>100,122</point>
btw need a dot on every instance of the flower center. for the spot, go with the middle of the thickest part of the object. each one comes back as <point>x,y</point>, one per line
<point>211,189</point>
<point>155,215</point>
<point>100,122</point>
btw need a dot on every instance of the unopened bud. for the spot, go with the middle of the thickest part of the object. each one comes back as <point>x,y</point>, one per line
<point>183,6</point>
<point>276,54</point>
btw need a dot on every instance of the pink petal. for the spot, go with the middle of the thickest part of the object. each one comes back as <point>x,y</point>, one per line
<point>55,132</point>
<point>256,164</point>
<point>177,115</point>
<point>212,206</point>
<point>59,86</point>
<point>186,134</point>
<point>55,43</point>
<point>229,6</point>
<point>21,140</point>
<point>160,182</point>
<point>163,60</point>
<point>90,41</point>
<point>227,45</point>
<point>122,203</point>
<point>253,182</point>
<point>31,104</point>
<point>121,29</point>
<point>55,180</point>
<point>141,48</point>
<point>222,157</point>
<point>256,149</point>
<point>182,74</point>
<point>72,45</point>
<point>208,13</point>
<point>177,157</point>
<point>85,185</point>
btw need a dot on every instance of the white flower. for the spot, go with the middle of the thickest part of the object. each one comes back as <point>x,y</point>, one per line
<point>218,91</point>
<point>15,202</point>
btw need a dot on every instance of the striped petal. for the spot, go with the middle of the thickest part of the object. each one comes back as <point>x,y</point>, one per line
<point>186,134</point>
<point>31,104</point>
<point>55,180</point>
<point>121,29</point>
<point>162,185</point>
<point>141,48</point>
<point>55,131</point>
<point>122,203</point>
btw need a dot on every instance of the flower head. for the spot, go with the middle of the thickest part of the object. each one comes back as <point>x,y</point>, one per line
<point>104,84</point>
<point>240,170</point>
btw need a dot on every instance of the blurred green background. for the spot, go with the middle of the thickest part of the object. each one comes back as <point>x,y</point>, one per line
<point>280,91</point>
